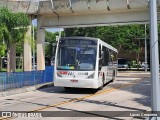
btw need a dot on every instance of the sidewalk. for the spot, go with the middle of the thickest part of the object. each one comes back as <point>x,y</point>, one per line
<point>25,89</point>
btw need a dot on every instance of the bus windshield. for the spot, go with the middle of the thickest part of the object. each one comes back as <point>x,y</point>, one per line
<point>74,57</point>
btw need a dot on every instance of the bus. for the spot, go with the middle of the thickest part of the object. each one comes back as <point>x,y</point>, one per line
<point>84,62</point>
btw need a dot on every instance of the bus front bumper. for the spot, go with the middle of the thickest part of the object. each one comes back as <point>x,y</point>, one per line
<point>76,83</point>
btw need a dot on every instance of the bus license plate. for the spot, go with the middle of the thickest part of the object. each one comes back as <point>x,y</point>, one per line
<point>74,81</point>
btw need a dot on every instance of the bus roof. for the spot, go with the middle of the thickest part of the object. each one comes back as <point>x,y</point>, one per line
<point>108,46</point>
<point>90,38</point>
<point>78,37</point>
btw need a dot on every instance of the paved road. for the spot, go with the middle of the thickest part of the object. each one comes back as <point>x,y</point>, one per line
<point>129,92</point>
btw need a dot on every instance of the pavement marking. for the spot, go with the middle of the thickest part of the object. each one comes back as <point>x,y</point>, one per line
<point>82,98</point>
<point>88,96</point>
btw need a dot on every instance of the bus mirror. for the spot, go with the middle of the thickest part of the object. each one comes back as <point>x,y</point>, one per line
<point>57,38</point>
<point>101,54</point>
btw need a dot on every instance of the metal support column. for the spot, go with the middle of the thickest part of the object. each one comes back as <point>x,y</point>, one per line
<point>155,84</point>
<point>145,49</point>
<point>33,51</point>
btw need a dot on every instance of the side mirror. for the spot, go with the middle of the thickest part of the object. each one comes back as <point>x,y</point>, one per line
<point>57,38</point>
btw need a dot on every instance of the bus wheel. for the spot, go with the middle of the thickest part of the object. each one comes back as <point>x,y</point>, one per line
<point>101,87</point>
<point>113,76</point>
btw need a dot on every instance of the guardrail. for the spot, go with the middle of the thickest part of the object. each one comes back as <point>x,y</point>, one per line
<point>22,79</point>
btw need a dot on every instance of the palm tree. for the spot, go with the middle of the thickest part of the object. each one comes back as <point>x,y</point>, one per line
<point>13,29</point>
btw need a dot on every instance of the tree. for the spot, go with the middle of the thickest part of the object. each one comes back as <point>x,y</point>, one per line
<point>126,37</point>
<point>50,39</point>
<point>13,31</point>
<point>2,53</point>
<point>2,45</point>
<point>136,40</point>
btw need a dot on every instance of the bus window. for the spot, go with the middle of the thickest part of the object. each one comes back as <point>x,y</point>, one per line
<point>114,58</point>
<point>105,57</point>
<point>76,57</point>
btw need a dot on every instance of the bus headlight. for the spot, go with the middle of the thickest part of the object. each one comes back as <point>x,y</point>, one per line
<point>58,74</point>
<point>91,76</point>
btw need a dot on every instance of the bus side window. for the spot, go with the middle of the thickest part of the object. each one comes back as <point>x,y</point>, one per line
<point>111,57</point>
<point>100,57</point>
<point>115,58</point>
<point>105,58</point>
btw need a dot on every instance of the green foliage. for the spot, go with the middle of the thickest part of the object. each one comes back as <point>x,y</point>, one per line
<point>13,26</point>
<point>50,38</point>
<point>2,50</point>
<point>127,37</point>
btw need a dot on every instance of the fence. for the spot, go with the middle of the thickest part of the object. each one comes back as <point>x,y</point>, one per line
<point>22,79</point>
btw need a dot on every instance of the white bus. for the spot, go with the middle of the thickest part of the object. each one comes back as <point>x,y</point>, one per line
<point>84,62</point>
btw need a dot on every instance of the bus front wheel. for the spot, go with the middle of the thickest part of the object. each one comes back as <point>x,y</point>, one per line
<point>101,87</point>
<point>113,76</point>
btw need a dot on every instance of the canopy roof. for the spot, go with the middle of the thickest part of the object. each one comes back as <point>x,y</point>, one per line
<point>80,13</point>
<point>74,6</point>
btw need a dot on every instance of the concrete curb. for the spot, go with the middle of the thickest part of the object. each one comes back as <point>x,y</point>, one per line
<point>25,89</point>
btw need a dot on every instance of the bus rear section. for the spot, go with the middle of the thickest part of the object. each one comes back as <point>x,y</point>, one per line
<point>107,63</point>
<point>76,63</point>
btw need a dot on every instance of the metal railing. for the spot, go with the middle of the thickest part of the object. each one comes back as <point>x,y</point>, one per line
<point>22,79</point>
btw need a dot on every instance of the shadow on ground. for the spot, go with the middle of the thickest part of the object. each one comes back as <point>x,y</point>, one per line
<point>53,89</point>
<point>142,88</point>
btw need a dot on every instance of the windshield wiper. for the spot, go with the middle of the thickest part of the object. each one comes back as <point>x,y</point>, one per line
<point>86,48</point>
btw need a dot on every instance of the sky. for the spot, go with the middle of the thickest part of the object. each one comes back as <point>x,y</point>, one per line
<point>34,22</point>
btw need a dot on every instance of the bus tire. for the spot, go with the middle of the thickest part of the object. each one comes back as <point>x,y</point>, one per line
<point>101,87</point>
<point>113,76</point>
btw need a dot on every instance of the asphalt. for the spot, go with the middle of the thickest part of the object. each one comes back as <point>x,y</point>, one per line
<point>131,91</point>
